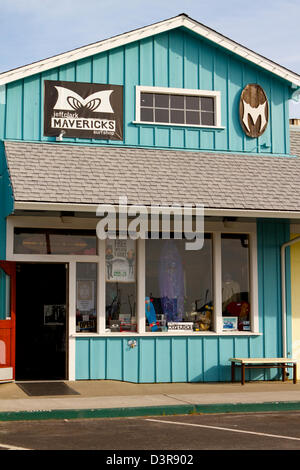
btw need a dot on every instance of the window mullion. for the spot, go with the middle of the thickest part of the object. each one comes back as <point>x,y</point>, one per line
<point>101,319</point>
<point>217,280</point>
<point>141,286</point>
<point>254,319</point>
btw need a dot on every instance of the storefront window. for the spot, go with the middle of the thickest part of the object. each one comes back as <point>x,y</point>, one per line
<point>86,297</point>
<point>179,292</point>
<point>55,242</point>
<point>120,258</point>
<point>235,282</point>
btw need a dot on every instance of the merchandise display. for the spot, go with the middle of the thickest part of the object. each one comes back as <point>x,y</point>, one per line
<point>240,310</point>
<point>171,281</point>
<point>86,297</point>
<point>151,315</point>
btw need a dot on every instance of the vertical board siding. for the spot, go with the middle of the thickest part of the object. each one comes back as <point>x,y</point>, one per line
<point>163,359</point>
<point>131,131</point>
<point>211,359</point>
<point>49,75</point>
<point>180,360</point>
<point>145,62</point>
<point>97,359</point>
<point>31,109</point>
<point>3,110</point>
<point>249,76</point>
<point>271,235</point>
<point>190,63</point>
<point>266,138</point>
<point>147,360</point>
<point>198,358</point>
<point>176,56</point>
<point>82,366</point>
<point>114,359</point>
<point>277,116</point>
<point>172,59</point>
<point>6,200</point>
<point>130,362</point>
<point>235,86</point>
<point>161,61</point>
<point>195,359</point>
<point>220,83</point>
<point>14,111</point>
<point>226,350</point>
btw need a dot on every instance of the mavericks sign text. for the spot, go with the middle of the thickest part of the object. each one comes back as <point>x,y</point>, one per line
<point>84,110</point>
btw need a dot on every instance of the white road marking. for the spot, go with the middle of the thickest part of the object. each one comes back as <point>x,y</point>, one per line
<point>10,447</point>
<point>225,429</point>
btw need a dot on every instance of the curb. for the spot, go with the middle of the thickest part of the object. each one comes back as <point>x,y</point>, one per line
<point>148,411</point>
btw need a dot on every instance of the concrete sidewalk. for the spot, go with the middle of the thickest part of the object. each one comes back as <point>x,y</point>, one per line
<point>116,399</point>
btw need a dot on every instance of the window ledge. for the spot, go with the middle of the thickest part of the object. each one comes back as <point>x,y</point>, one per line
<point>148,334</point>
<point>185,126</point>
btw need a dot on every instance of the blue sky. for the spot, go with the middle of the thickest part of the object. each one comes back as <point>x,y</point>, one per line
<point>32,30</point>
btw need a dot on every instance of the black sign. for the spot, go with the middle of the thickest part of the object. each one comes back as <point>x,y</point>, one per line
<point>85,110</point>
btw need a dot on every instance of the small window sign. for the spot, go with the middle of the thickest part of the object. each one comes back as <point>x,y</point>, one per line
<point>180,326</point>
<point>230,323</point>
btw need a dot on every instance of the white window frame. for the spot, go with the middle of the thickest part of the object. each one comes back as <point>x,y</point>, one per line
<point>178,91</point>
<point>71,260</point>
<point>215,228</point>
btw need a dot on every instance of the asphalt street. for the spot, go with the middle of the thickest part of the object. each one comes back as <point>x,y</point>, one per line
<point>230,431</point>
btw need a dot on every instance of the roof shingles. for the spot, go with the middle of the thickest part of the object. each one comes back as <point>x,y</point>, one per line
<point>64,173</point>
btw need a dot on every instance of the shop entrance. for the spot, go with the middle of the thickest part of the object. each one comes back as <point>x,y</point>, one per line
<point>41,312</point>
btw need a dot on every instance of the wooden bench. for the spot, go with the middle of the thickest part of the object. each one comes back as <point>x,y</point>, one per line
<point>262,362</point>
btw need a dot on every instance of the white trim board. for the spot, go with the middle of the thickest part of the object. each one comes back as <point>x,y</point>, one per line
<point>142,33</point>
<point>56,206</point>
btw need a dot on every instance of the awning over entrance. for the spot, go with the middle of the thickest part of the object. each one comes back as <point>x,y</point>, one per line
<point>83,174</point>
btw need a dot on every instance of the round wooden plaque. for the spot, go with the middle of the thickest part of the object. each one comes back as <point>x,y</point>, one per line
<point>254,110</point>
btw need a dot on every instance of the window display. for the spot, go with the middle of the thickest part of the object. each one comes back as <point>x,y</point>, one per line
<point>175,285</point>
<point>86,297</point>
<point>179,294</point>
<point>120,257</point>
<point>235,282</point>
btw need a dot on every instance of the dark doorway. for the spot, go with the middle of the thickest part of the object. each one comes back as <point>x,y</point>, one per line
<point>41,314</point>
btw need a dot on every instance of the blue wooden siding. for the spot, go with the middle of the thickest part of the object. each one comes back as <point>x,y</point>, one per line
<point>6,206</point>
<point>6,200</point>
<point>172,59</point>
<point>197,358</point>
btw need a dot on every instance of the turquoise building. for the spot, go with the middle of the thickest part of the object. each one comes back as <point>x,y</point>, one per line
<point>158,131</point>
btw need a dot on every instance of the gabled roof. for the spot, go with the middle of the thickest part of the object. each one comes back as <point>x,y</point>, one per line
<point>44,174</point>
<point>181,20</point>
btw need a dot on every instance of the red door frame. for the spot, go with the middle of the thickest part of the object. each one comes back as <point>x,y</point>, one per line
<point>9,267</point>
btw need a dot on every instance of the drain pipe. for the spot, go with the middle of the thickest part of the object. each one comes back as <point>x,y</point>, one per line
<point>283,292</point>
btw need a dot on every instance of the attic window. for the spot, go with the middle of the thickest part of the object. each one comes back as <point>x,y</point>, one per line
<point>177,107</point>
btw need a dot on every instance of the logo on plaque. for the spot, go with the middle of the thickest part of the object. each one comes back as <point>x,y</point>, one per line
<point>254,110</point>
<point>84,110</point>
